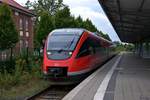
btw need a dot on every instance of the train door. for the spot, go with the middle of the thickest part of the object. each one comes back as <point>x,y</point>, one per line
<point>85,58</point>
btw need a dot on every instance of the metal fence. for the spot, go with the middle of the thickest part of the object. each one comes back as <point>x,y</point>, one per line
<point>9,57</point>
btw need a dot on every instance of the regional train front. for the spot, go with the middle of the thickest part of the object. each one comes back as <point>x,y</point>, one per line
<point>59,53</point>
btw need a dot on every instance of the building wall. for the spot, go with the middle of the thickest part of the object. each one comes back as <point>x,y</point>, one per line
<point>24,26</point>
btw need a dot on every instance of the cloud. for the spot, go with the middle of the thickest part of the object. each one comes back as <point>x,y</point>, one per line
<point>87,12</point>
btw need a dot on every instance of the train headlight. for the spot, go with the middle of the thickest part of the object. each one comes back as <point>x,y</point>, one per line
<point>45,72</point>
<point>49,53</point>
<point>70,53</point>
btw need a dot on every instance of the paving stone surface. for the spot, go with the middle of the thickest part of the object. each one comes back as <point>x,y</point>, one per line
<point>133,79</point>
<point>130,80</point>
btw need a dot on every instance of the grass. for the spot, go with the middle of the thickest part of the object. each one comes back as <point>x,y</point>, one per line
<point>24,81</point>
<point>22,91</point>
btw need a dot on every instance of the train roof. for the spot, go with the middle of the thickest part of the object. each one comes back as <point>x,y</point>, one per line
<point>77,31</point>
<point>100,37</point>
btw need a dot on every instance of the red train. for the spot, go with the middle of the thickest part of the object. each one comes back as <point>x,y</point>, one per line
<point>71,53</point>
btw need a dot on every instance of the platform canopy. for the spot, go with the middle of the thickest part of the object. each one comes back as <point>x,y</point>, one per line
<point>130,18</point>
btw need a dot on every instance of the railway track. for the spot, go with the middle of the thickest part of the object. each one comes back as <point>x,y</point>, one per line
<point>54,92</point>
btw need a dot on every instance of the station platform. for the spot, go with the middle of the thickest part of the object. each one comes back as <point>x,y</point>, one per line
<point>125,77</point>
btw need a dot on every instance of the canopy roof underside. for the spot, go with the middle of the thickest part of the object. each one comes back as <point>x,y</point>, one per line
<point>130,18</point>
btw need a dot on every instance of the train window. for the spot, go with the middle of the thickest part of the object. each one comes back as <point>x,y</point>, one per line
<point>86,48</point>
<point>93,45</point>
<point>96,45</point>
<point>65,42</point>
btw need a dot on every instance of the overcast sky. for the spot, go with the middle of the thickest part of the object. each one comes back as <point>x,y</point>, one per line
<point>89,9</point>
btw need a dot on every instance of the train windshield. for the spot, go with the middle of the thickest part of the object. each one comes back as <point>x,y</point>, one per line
<point>62,41</point>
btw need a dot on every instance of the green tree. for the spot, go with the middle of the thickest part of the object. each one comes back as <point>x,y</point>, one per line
<point>79,22</point>
<point>89,25</point>
<point>8,32</point>
<point>106,36</point>
<point>45,26</point>
<point>51,6</point>
<point>40,6</point>
<point>63,19</point>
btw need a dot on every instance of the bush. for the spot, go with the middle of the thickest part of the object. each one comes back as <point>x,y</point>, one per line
<point>8,80</point>
<point>8,66</point>
<point>21,73</point>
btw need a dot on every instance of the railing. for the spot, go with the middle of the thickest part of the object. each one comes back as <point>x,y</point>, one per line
<point>9,57</point>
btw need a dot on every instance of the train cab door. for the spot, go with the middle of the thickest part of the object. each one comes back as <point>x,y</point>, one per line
<point>85,56</point>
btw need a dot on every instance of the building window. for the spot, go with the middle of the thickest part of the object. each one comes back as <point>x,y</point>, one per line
<point>16,13</point>
<point>33,19</point>
<point>27,44</point>
<point>21,24</point>
<point>27,25</point>
<point>21,33</point>
<point>21,45</point>
<point>27,34</point>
